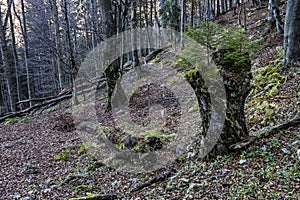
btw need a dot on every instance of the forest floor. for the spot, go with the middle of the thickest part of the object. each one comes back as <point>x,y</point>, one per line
<point>43,157</point>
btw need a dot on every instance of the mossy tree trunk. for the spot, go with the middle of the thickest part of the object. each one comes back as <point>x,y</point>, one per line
<point>198,84</point>
<point>235,69</point>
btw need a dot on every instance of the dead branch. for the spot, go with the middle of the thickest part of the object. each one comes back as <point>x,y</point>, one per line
<point>52,101</point>
<point>276,129</point>
<point>156,179</point>
<point>98,197</point>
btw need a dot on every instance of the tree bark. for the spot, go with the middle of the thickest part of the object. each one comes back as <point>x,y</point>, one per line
<point>58,46</point>
<point>292,32</point>
<point>72,61</point>
<point>26,51</point>
<point>236,78</point>
<point>15,57</point>
<point>109,29</point>
<point>4,54</point>
<point>274,18</point>
<point>108,25</point>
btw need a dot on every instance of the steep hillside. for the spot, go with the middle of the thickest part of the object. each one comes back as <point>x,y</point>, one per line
<point>42,156</point>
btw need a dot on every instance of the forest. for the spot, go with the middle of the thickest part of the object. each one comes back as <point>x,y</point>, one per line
<point>149,99</point>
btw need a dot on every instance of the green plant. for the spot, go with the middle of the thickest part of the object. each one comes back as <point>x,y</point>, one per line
<point>61,156</point>
<point>82,149</point>
<point>11,120</point>
<point>17,120</point>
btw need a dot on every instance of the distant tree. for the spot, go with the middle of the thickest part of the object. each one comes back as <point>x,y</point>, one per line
<point>4,17</point>
<point>108,23</point>
<point>292,32</point>
<point>23,24</point>
<point>108,30</point>
<point>58,44</point>
<point>274,18</point>
<point>170,14</point>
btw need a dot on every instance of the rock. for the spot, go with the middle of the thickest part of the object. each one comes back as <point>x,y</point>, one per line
<point>31,169</point>
<point>48,190</point>
<point>286,151</point>
<point>194,186</point>
<point>242,162</point>
<point>8,146</point>
<point>15,196</point>
<point>26,198</point>
<point>191,154</point>
<point>130,141</point>
<point>32,192</point>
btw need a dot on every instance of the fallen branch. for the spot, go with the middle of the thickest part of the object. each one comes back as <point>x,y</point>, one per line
<point>97,197</point>
<point>286,125</point>
<point>152,55</point>
<point>36,106</point>
<point>65,91</point>
<point>156,179</point>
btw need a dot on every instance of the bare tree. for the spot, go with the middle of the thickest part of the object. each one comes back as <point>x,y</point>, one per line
<point>58,44</point>
<point>4,17</point>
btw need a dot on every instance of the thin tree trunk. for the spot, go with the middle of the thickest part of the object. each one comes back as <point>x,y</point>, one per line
<point>274,18</point>
<point>26,52</point>
<point>72,62</point>
<point>182,21</point>
<point>4,53</point>
<point>57,43</point>
<point>192,13</point>
<point>16,59</point>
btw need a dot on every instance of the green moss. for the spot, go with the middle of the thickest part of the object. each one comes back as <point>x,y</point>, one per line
<point>191,73</point>
<point>15,120</point>
<point>11,120</point>
<point>182,62</point>
<point>83,188</point>
<point>87,197</point>
<point>266,85</point>
<point>154,133</point>
<point>61,156</point>
<point>25,119</point>
<point>196,107</point>
<point>156,59</point>
<point>82,149</point>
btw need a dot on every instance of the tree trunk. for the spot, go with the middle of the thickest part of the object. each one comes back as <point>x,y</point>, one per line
<point>274,18</point>
<point>108,30</point>
<point>72,61</point>
<point>236,78</point>
<point>57,42</point>
<point>292,33</point>
<point>108,25</point>
<point>15,57</point>
<point>5,60</point>
<point>26,52</point>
